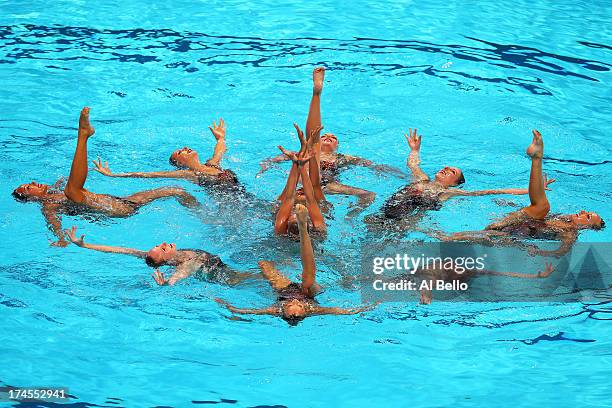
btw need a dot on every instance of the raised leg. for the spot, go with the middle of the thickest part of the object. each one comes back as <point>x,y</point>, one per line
<point>539,207</point>
<point>78,172</point>
<point>309,281</point>
<point>364,197</point>
<point>313,123</point>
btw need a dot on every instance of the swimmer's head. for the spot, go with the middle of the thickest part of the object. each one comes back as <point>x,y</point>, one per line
<point>300,196</point>
<point>160,254</point>
<point>31,192</point>
<point>185,158</point>
<point>329,143</point>
<point>587,220</point>
<point>450,176</point>
<point>293,311</point>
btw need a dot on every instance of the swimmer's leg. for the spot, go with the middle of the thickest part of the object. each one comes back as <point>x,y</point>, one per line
<point>146,197</point>
<point>364,197</point>
<point>275,277</point>
<point>78,172</point>
<point>484,237</point>
<point>312,124</point>
<point>309,280</point>
<point>539,207</point>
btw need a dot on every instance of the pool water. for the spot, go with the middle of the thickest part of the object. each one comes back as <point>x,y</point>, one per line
<point>474,79</point>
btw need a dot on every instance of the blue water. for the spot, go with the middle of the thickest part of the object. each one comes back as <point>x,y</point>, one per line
<point>474,79</point>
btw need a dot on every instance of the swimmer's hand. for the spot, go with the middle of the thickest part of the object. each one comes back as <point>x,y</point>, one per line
<point>414,140</point>
<point>71,234</point>
<point>218,131</point>
<point>298,158</point>
<point>315,136</point>
<point>61,243</point>
<point>225,304</point>
<point>548,269</point>
<point>59,183</point>
<point>159,278</point>
<point>102,169</point>
<point>547,182</point>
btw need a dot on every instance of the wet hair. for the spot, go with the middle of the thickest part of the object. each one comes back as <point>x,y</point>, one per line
<point>293,320</point>
<point>601,226</point>
<point>151,262</point>
<point>20,196</point>
<point>461,180</point>
<point>175,163</point>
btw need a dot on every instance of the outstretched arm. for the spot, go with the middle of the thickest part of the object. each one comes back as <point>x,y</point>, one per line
<point>548,269</point>
<point>71,233</point>
<point>318,310</point>
<point>182,271</point>
<point>273,311</point>
<point>265,165</point>
<point>414,160</point>
<point>380,168</point>
<point>54,222</point>
<point>567,241</point>
<point>220,148</point>
<point>174,174</point>
<point>515,191</point>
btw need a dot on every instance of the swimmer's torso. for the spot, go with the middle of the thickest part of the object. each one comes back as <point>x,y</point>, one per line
<point>412,198</point>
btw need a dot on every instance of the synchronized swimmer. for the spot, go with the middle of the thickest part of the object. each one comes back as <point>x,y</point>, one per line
<point>302,209</point>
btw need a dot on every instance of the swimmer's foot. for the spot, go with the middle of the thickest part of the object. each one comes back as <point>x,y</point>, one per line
<point>318,75</point>
<point>85,128</point>
<point>536,148</point>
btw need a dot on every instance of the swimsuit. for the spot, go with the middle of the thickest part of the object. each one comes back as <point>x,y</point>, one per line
<point>407,201</point>
<point>212,267</point>
<point>330,170</point>
<point>527,227</point>
<point>293,291</point>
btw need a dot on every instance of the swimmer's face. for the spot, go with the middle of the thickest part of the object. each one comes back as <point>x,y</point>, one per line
<point>329,143</point>
<point>185,157</point>
<point>586,219</point>
<point>449,176</point>
<point>31,190</point>
<point>294,309</point>
<point>300,197</point>
<point>162,253</point>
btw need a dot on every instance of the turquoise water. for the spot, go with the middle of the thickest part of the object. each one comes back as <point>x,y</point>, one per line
<point>475,79</point>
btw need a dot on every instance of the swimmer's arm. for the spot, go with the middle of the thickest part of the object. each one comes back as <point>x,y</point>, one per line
<point>313,206</point>
<point>273,311</point>
<point>176,174</point>
<point>182,271</point>
<point>71,233</point>
<point>319,310</point>
<point>514,191</point>
<point>414,158</point>
<point>567,241</point>
<point>54,222</point>
<point>265,165</point>
<point>218,132</point>
<point>452,192</point>
<point>287,198</point>
<point>548,269</point>
<point>381,168</point>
